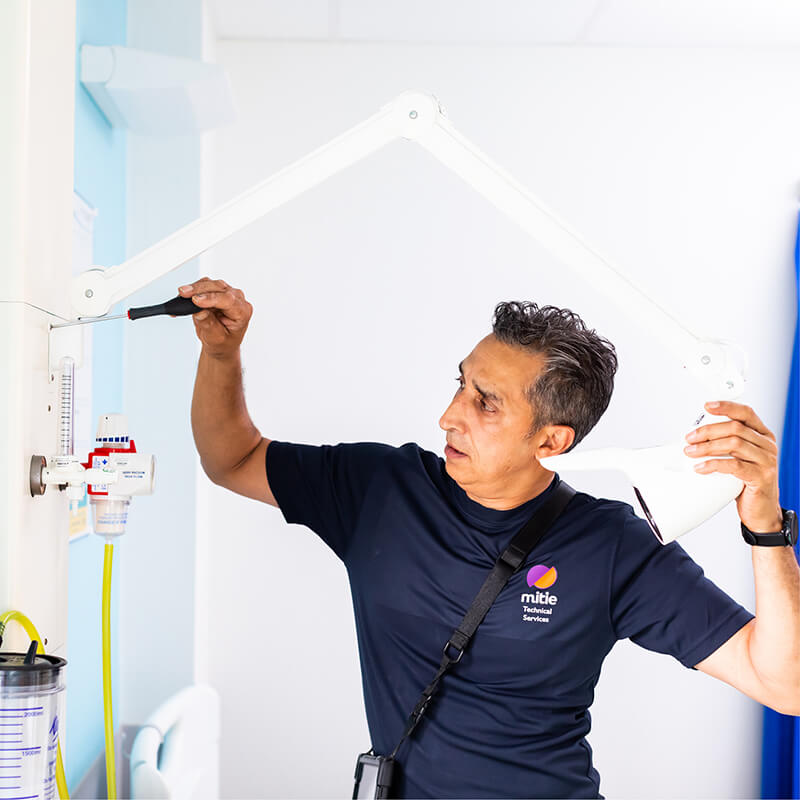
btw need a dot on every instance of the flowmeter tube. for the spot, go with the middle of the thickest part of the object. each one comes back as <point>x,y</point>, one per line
<point>66,407</point>
<point>65,459</point>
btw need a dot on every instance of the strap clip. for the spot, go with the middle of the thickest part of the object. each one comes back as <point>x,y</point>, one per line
<point>513,556</point>
<point>451,659</point>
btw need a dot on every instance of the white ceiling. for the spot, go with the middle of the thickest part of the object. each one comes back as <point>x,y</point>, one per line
<point>577,22</point>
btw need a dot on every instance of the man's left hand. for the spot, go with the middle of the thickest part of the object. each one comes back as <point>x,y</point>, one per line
<point>754,460</point>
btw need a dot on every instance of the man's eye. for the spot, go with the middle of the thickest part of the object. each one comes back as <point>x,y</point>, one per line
<point>484,406</point>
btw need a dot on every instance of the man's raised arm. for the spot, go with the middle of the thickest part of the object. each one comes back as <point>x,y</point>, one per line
<point>232,450</point>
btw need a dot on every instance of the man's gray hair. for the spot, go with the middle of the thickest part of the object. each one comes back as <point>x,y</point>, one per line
<point>577,378</point>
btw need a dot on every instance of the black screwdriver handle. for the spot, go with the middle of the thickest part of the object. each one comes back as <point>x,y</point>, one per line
<point>177,307</point>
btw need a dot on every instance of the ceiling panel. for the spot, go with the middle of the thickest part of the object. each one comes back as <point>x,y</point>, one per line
<point>603,22</point>
<point>464,21</point>
<point>271,19</point>
<point>697,22</point>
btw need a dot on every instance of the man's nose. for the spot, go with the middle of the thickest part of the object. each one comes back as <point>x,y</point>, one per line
<point>451,419</point>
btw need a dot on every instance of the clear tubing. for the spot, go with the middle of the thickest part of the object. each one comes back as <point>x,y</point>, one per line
<point>30,629</point>
<point>66,407</point>
<point>111,775</point>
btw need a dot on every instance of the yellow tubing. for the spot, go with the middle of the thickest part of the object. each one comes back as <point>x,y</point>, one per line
<point>30,629</point>
<point>111,775</point>
<point>28,626</point>
<point>61,778</point>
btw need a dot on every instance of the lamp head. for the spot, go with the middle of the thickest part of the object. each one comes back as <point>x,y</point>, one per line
<point>674,498</point>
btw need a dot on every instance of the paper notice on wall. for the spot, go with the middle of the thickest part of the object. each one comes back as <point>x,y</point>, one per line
<point>83,217</point>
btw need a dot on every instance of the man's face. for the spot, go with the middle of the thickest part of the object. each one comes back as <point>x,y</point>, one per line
<point>490,453</point>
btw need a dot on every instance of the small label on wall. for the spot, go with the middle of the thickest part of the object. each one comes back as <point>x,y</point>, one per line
<point>79,519</point>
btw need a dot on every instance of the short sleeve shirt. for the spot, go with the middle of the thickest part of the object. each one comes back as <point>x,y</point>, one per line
<point>510,719</point>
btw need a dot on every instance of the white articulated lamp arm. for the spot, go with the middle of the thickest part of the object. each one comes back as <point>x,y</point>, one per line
<point>417,116</point>
<point>95,291</point>
<point>708,360</point>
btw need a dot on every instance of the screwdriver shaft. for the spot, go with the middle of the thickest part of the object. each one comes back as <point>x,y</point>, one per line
<point>87,320</point>
<point>176,307</point>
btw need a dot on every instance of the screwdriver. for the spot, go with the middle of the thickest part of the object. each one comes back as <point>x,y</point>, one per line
<point>177,307</point>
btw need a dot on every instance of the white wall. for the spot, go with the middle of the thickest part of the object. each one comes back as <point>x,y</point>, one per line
<point>679,165</point>
<point>37,47</point>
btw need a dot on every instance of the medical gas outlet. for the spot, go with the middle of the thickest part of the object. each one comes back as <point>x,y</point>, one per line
<point>113,473</point>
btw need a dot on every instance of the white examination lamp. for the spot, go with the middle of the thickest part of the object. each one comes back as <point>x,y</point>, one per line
<point>674,498</point>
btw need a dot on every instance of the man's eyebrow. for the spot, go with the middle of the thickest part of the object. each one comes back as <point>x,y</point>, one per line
<point>482,392</point>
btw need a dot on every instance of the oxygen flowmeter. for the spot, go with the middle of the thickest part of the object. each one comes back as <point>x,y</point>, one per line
<point>113,472</point>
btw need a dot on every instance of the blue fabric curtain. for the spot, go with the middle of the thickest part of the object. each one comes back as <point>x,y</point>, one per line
<point>780,770</point>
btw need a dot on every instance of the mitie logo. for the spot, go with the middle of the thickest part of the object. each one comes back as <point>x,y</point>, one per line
<point>539,577</point>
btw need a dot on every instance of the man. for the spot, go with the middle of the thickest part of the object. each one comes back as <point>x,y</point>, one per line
<point>418,535</point>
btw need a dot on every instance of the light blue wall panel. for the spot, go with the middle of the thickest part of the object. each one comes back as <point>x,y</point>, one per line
<point>100,169</point>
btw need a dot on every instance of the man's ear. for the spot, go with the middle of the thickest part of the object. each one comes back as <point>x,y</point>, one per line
<point>556,439</point>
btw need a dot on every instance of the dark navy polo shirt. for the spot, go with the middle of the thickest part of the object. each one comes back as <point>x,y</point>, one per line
<point>510,719</point>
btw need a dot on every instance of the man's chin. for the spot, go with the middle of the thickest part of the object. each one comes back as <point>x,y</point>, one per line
<point>456,469</point>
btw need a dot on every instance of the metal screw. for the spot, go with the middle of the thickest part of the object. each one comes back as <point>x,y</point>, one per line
<point>412,114</point>
<point>706,360</point>
<point>89,293</point>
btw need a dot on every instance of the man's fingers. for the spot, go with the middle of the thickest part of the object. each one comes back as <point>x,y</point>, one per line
<point>207,323</point>
<point>206,293</point>
<point>735,446</point>
<point>203,285</point>
<point>228,301</point>
<point>187,290</point>
<point>744,414</point>
<point>744,470</point>
<point>719,430</point>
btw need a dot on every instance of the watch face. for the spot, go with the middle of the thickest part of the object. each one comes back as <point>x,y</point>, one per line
<point>790,526</point>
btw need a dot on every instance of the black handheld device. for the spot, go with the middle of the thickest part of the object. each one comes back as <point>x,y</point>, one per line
<point>373,778</point>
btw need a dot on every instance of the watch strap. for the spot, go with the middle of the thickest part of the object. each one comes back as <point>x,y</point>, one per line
<point>786,537</point>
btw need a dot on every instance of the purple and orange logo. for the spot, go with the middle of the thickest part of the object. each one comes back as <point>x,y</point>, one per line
<point>542,577</point>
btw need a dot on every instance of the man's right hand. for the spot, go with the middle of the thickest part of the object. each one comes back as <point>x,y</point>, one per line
<point>222,324</point>
<point>232,450</point>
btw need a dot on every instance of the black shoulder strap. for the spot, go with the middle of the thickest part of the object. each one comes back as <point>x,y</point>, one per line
<point>510,560</point>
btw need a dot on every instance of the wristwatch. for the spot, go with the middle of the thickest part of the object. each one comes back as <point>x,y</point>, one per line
<point>786,537</point>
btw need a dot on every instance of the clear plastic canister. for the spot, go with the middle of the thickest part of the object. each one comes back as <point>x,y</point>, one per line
<point>109,515</point>
<point>31,691</point>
